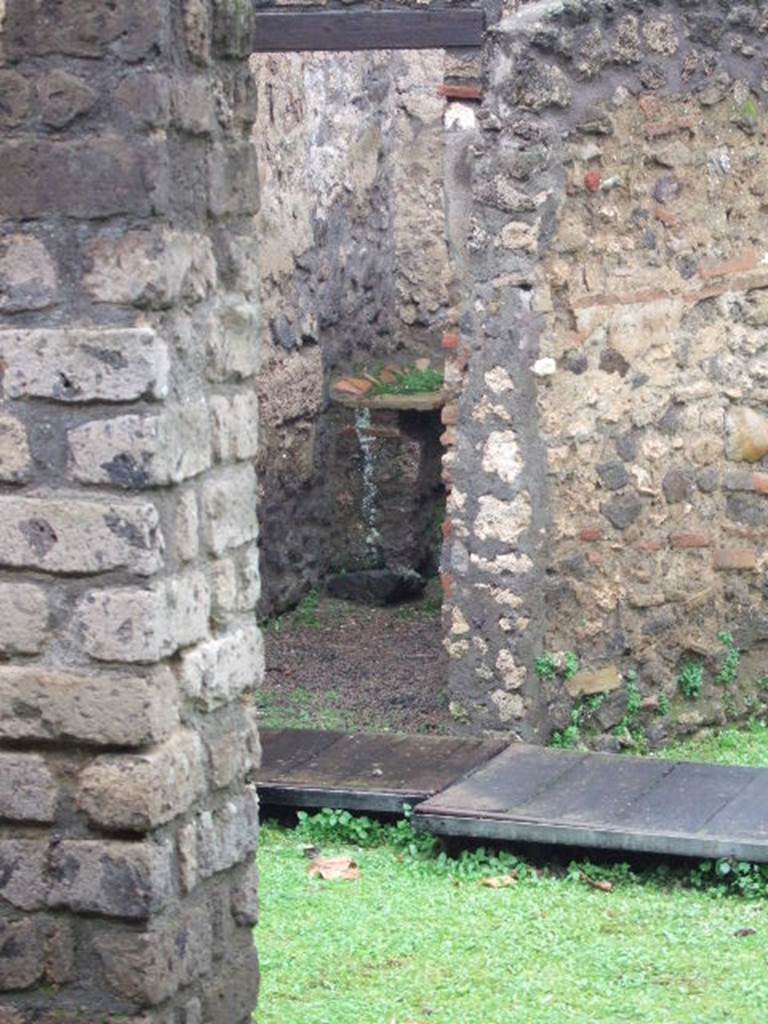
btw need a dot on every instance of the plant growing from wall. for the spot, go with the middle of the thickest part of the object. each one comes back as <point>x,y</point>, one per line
<point>550,665</point>
<point>690,680</point>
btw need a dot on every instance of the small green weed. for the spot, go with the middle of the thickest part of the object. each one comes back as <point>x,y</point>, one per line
<point>691,679</point>
<point>663,705</point>
<point>411,382</point>
<point>306,613</point>
<point>549,665</point>
<point>730,670</point>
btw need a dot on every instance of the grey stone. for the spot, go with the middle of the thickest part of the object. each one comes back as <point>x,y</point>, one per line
<point>28,789</point>
<point>622,511</point>
<point>613,475</point>
<point>676,485</point>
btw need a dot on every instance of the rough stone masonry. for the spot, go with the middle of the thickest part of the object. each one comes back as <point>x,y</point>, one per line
<point>128,560</point>
<point>609,473</point>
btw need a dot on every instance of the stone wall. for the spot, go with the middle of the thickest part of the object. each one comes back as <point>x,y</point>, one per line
<point>128,562</point>
<point>609,469</point>
<point>355,271</point>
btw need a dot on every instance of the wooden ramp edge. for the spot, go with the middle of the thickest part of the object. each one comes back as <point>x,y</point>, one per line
<point>607,802</point>
<point>376,772</point>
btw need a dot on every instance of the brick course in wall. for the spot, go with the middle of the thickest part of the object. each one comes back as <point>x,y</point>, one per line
<point>129,329</point>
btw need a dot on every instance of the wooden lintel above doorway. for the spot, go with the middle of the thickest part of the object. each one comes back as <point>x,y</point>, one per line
<point>289,31</point>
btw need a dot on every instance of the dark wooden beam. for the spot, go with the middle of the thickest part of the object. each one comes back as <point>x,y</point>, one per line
<point>288,31</point>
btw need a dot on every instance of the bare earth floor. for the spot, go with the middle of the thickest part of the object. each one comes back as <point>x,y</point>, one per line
<point>336,665</point>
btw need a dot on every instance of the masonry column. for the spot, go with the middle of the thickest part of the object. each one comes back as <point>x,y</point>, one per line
<point>128,567</point>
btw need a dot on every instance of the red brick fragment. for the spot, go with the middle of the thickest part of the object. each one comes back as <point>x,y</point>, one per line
<point>650,545</point>
<point>690,540</point>
<point>460,92</point>
<point>760,482</point>
<point>591,533</point>
<point>746,260</point>
<point>446,581</point>
<point>592,180</point>
<point>665,217</point>
<point>451,341</point>
<point>735,558</point>
<point>447,527</point>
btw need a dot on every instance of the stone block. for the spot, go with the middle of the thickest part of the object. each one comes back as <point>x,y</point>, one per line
<point>22,873</point>
<point>80,536</point>
<point>15,98</point>
<point>137,792</point>
<point>23,618</point>
<point>229,507</point>
<point>232,338</point>
<point>116,879</point>
<point>197,31</point>
<point>233,993</point>
<point>64,97</point>
<point>229,835</point>
<point>235,426</point>
<point>144,625</point>
<point>86,28</point>
<point>216,673</point>
<point>245,897</point>
<point>60,952</point>
<point>747,434</point>
<point>150,269</point>
<point>232,740</point>
<point>143,451</point>
<point>187,526</point>
<point>194,105</point>
<point>84,365</point>
<point>22,961</point>
<point>28,789</point>
<point>105,709</point>
<point>149,966</point>
<point>587,682</point>
<point>87,178</point>
<point>15,462</point>
<point>235,584</point>
<point>145,99</point>
<point>233,179</point>
<point>28,277</point>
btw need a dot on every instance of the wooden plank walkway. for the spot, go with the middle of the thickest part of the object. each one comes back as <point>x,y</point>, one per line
<point>609,802</point>
<point>377,772</point>
<point>483,788</point>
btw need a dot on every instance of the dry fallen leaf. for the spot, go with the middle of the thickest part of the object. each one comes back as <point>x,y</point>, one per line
<point>595,884</point>
<point>744,933</point>
<point>334,869</point>
<point>500,881</point>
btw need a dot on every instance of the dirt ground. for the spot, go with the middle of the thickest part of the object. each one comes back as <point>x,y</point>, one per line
<point>336,665</point>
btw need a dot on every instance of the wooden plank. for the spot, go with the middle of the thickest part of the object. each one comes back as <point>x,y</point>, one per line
<point>289,31</point>
<point>511,779</point>
<point>607,802</point>
<point>745,816</point>
<point>597,792</point>
<point>283,750</point>
<point>303,768</point>
<point>687,798</point>
<point>504,829</point>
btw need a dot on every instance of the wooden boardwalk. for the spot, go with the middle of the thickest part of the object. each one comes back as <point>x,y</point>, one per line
<point>484,788</point>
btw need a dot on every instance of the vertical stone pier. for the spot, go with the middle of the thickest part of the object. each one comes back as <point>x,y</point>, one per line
<point>129,652</point>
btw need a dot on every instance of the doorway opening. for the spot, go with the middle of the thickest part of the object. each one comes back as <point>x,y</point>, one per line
<point>364,186</point>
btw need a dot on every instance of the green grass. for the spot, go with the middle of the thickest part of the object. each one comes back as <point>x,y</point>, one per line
<point>418,940</point>
<point>724,746</point>
<point>406,944</point>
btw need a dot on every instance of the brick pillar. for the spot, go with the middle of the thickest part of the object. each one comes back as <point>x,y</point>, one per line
<point>129,652</point>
